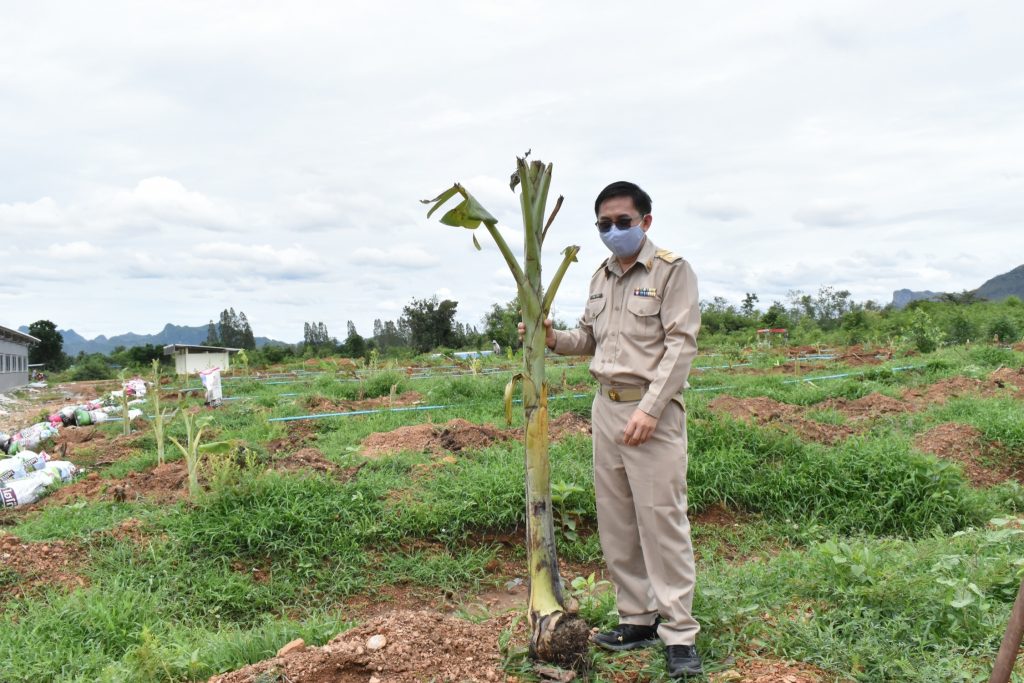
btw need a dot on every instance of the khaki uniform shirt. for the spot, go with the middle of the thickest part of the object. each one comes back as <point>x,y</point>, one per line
<point>641,326</point>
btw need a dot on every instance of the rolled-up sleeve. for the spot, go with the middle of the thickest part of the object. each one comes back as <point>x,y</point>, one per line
<point>680,319</point>
<point>578,342</point>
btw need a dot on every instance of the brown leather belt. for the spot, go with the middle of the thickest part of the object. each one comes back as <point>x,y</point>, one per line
<point>622,394</point>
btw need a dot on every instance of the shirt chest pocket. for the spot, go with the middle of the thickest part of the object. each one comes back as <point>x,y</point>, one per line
<point>644,319</point>
<point>597,316</point>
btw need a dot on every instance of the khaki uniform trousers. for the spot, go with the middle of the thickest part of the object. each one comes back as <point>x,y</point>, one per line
<point>641,517</point>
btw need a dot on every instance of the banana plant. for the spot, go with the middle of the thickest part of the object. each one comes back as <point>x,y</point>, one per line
<point>547,612</point>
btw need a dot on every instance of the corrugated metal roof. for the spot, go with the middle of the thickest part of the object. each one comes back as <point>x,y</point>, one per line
<point>171,349</point>
<point>15,336</point>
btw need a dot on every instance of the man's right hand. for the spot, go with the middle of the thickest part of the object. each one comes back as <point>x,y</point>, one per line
<point>549,333</point>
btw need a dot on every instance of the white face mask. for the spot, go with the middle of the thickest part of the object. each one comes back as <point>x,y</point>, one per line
<point>624,243</point>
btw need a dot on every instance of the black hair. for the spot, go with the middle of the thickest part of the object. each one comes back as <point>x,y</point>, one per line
<point>623,188</point>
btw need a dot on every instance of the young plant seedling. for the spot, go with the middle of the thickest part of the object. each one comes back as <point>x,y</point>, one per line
<point>193,433</point>
<point>556,636</point>
<point>159,418</point>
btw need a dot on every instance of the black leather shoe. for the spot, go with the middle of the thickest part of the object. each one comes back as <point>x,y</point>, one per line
<point>627,637</point>
<point>683,660</point>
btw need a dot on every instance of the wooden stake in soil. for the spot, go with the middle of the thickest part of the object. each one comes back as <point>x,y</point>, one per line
<point>1011,641</point>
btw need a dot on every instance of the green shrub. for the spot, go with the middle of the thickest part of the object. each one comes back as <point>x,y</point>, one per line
<point>90,367</point>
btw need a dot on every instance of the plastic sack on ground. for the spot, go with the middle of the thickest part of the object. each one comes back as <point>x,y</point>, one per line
<point>211,380</point>
<point>30,437</point>
<point>135,387</point>
<point>84,418</point>
<point>134,413</point>
<point>24,491</point>
<point>11,468</point>
<point>33,461</point>
<point>61,469</point>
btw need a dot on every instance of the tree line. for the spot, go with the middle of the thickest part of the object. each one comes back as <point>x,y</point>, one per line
<point>827,316</point>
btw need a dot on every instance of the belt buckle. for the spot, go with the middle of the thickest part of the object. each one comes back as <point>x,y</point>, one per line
<point>613,395</point>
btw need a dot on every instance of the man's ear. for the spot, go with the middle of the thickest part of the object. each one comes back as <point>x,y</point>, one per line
<point>646,222</point>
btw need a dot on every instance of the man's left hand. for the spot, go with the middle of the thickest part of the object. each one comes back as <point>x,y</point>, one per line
<point>639,428</point>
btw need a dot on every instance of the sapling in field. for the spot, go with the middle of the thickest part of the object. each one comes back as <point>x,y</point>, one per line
<point>158,416</point>
<point>193,435</point>
<point>556,636</point>
<point>126,421</point>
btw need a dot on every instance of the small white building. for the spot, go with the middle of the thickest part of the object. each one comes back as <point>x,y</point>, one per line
<point>14,358</point>
<point>190,359</point>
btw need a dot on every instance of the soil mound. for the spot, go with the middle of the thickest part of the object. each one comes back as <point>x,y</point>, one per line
<point>856,355</point>
<point>165,483</point>
<point>715,515</point>
<point>770,671</point>
<point>300,434</point>
<point>397,647</point>
<point>312,460</point>
<point>943,390</point>
<point>39,564</point>
<point>758,409</point>
<point>453,436</point>
<point>76,435</point>
<point>965,444</point>
<point>1010,378</point>
<point>867,407</point>
<point>322,404</point>
<point>568,424</point>
<point>765,411</point>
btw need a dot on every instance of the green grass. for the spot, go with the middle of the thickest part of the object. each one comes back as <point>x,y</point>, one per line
<point>866,558</point>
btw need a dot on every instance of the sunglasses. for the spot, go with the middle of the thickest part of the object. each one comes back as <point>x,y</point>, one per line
<point>622,223</point>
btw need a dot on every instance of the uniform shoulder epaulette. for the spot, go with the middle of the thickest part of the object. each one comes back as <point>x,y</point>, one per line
<point>600,268</point>
<point>668,256</point>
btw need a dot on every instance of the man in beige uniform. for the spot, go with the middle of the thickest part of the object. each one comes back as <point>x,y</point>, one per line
<point>640,324</point>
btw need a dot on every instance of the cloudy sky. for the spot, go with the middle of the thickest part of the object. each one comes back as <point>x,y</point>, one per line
<point>162,161</point>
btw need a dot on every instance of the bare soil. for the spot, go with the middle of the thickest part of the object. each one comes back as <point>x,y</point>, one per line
<point>1001,382</point>
<point>856,356</point>
<point>417,646</point>
<point>867,407</point>
<point>165,483</point>
<point>300,435</point>
<point>322,404</point>
<point>715,515</point>
<point>455,435</point>
<point>1011,379</point>
<point>459,435</point>
<point>965,444</point>
<point>312,460</point>
<point>50,563</point>
<point>765,411</point>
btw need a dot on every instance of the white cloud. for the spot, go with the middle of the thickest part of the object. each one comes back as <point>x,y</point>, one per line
<point>209,155</point>
<point>395,257</point>
<point>832,213</point>
<point>718,207</point>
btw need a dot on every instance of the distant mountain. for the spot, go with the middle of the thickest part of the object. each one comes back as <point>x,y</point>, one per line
<point>1002,286</point>
<point>171,334</point>
<point>902,297</point>
<point>996,289</point>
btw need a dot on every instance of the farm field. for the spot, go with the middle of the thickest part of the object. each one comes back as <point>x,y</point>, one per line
<point>857,516</point>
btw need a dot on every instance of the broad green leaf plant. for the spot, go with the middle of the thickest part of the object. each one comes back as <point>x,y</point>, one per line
<point>549,620</point>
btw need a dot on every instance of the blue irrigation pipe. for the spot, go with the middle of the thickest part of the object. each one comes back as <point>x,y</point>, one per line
<point>353,413</point>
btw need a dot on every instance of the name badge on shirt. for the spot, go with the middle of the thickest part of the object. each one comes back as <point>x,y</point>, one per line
<point>599,295</point>
<point>646,291</point>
